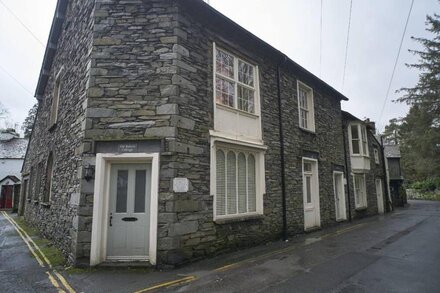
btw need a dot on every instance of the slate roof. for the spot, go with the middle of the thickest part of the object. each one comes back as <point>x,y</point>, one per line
<point>13,148</point>
<point>392,151</point>
<point>12,177</point>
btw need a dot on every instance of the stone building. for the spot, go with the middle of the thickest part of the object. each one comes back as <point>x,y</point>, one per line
<point>166,133</point>
<point>12,152</point>
<point>367,178</point>
<point>397,191</point>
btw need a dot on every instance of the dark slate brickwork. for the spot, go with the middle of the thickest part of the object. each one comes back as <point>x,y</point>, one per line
<point>65,140</point>
<point>142,70</point>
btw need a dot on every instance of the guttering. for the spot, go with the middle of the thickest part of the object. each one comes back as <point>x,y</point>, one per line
<point>283,168</point>
<point>347,171</point>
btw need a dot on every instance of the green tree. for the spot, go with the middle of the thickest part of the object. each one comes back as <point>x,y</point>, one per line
<point>419,132</point>
<point>391,133</point>
<point>28,123</point>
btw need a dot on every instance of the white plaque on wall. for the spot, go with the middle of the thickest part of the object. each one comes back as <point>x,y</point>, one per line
<point>180,184</point>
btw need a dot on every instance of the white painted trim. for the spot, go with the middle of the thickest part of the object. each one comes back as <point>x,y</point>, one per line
<point>232,139</point>
<point>312,106</point>
<point>259,170</point>
<point>316,184</point>
<point>342,187</point>
<point>98,253</point>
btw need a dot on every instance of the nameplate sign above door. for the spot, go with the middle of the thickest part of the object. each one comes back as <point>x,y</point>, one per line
<point>127,146</point>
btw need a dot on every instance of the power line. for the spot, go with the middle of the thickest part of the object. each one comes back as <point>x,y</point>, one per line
<point>320,44</point>
<point>16,80</point>
<point>22,23</point>
<point>395,62</point>
<point>346,44</point>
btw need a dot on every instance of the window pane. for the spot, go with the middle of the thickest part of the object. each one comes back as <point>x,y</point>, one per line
<point>355,144</point>
<point>303,103</point>
<point>225,64</point>
<point>225,92</point>
<point>245,73</point>
<point>309,189</point>
<point>364,134</point>
<point>307,167</point>
<point>121,191</point>
<point>364,147</point>
<point>304,118</point>
<point>220,182</point>
<point>242,183</point>
<point>354,132</point>
<point>245,99</point>
<point>139,191</point>
<point>231,183</point>
<point>252,189</point>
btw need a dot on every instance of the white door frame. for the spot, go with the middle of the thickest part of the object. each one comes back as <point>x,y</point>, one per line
<point>342,190</point>
<point>98,251</point>
<point>381,205</point>
<point>315,195</point>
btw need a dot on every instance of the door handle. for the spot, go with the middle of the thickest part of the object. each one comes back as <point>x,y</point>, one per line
<point>111,217</point>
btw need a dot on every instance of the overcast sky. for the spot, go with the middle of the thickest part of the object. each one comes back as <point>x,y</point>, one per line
<point>292,26</point>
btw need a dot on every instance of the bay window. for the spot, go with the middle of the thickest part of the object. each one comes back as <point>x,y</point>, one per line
<point>358,139</point>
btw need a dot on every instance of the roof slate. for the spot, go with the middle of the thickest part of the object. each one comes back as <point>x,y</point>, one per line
<point>392,151</point>
<point>14,148</point>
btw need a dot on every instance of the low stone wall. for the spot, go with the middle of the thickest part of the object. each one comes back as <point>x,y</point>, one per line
<point>415,194</point>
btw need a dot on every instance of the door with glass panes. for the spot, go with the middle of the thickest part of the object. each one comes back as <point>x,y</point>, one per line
<point>129,212</point>
<point>312,216</point>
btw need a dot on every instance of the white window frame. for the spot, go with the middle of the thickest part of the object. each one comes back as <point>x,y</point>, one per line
<point>360,128</point>
<point>236,82</point>
<point>376,156</point>
<point>258,152</point>
<point>55,105</point>
<point>310,104</point>
<point>362,202</point>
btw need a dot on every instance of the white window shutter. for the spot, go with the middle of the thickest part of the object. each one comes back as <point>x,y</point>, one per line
<point>242,183</point>
<point>221,183</point>
<point>252,189</point>
<point>231,183</point>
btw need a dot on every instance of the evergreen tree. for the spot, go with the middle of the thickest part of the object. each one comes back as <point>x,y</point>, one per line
<point>419,132</point>
<point>28,123</point>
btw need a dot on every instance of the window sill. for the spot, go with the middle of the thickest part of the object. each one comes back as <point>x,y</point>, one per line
<point>360,209</point>
<point>35,201</point>
<point>45,204</point>
<point>307,130</point>
<point>235,110</point>
<point>235,219</point>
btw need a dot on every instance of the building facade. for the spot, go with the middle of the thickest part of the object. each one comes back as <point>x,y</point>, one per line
<point>12,152</point>
<point>167,133</point>
<point>397,191</point>
<point>367,181</point>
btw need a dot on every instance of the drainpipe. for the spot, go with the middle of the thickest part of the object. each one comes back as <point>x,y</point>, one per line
<point>283,168</point>
<point>384,168</point>
<point>347,172</point>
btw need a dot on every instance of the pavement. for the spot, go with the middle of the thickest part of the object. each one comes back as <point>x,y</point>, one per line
<point>395,252</point>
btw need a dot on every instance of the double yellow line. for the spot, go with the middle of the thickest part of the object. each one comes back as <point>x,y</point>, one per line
<point>54,276</point>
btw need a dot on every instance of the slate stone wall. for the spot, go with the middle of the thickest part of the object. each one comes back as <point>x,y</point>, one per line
<point>202,236</point>
<point>56,219</point>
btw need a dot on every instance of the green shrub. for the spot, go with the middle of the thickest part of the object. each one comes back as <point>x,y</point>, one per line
<point>430,184</point>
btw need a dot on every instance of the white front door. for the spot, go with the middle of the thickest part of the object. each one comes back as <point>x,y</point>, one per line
<point>340,206</point>
<point>379,193</point>
<point>312,217</point>
<point>129,212</point>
